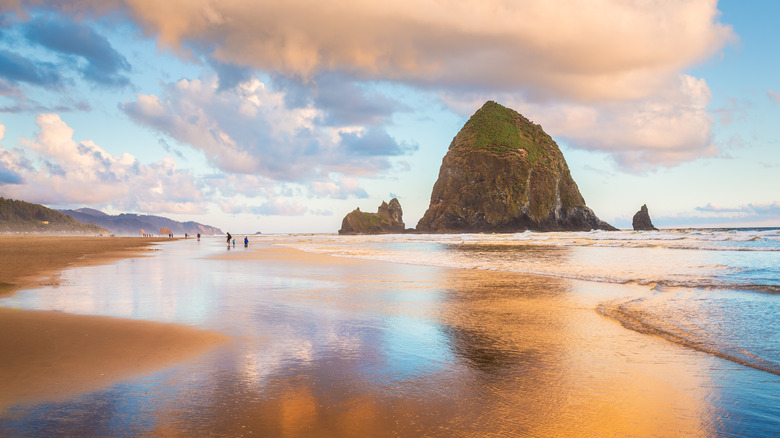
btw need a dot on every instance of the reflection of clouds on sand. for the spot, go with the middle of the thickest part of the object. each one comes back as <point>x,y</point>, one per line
<point>331,346</point>
<point>148,288</point>
<point>262,363</point>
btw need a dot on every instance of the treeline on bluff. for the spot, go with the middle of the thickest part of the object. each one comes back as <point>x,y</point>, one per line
<point>503,173</point>
<point>20,216</point>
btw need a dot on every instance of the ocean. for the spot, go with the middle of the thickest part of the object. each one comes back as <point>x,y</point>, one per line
<point>717,290</point>
<point>667,333</point>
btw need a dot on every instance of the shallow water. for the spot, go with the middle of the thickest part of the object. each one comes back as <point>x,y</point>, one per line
<point>337,347</point>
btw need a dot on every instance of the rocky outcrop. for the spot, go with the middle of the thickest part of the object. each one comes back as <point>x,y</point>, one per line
<point>387,220</point>
<point>641,221</point>
<point>503,173</point>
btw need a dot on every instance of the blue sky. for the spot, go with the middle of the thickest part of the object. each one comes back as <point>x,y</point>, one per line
<point>283,117</point>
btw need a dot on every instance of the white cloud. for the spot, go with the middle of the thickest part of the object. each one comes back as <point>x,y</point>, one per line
<point>586,50</point>
<point>665,129</point>
<point>342,188</point>
<point>752,214</point>
<point>607,74</point>
<point>281,207</point>
<point>768,210</point>
<point>62,171</point>
<point>249,129</point>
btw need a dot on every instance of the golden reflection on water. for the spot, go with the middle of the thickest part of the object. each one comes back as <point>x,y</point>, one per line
<point>524,356</point>
<point>552,366</point>
<point>393,350</point>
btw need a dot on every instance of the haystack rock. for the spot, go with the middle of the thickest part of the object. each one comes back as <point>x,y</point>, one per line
<point>503,173</point>
<point>642,221</point>
<point>387,220</point>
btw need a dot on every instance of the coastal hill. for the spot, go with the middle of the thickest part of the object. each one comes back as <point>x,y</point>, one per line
<point>503,173</point>
<point>387,220</point>
<point>132,224</point>
<point>21,216</point>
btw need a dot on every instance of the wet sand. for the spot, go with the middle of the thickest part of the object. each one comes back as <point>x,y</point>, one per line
<point>52,355</point>
<point>33,261</point>
<point>484,353</point>
<point>329,346</point>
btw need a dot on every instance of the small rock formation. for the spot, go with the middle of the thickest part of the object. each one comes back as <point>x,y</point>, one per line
<point>642,221</point>
<point>503,173</point>
<point>387,220</point>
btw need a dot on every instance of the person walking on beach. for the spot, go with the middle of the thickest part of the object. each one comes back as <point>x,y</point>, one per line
<point>246,241</point>
<point>228,239</point>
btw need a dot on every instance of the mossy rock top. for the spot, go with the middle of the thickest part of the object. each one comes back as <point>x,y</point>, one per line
<point>503,131</point>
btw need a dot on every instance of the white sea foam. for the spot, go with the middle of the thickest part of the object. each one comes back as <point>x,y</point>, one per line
<point>718,258</point>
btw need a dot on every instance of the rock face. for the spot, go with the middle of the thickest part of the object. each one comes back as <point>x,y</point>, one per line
<point>387,220</point>
<point>642,221</point>
<point>503,173</point>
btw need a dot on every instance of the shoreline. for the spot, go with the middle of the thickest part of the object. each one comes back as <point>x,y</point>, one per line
<point>50,355</point>
<point>30,261</point>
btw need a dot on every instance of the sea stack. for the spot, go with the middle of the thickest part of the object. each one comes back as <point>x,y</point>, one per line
<point>387,220</point>
<point>503,173</point>
<point>642,221</point>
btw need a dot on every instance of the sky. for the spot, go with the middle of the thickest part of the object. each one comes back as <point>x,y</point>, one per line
<point>284,116</point>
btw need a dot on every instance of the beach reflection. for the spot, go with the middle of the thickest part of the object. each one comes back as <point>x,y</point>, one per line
<point>334,347</point>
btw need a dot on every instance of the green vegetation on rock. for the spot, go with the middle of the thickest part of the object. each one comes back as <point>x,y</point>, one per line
<point>20,216</point>
<point>500,130</point>
<point>387,219</point>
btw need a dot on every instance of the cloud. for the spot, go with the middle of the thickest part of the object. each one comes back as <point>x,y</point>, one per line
<point>104,65</point>
<point>665,129</point>
<point>587,50</point>
<point>606,74</point>
<point>62,171</point>
<point>249,129</point>
<point>753,210</point>
<point>343,188</point>
<point>344,102</point>
<point>16,68</point>
<point>167,148</point>
<point>715,208</point>
<point>372,142</point>
<point>7,175</point>
<point>281,207</point>
<point>752,214</point>
<point>230,75</point>
<point>774,95</point>
<point>272,207</point>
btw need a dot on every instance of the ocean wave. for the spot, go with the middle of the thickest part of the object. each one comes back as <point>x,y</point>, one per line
<point>685,239</point>
<point>647,323</point>
<point>715,259</point>
<point>721,277</point>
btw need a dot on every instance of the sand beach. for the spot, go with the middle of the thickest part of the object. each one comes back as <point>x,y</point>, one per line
<point>51,355</point>
<point>374,339</point>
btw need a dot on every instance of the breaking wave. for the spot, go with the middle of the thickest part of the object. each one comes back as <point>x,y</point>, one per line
<point>633,316</point>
